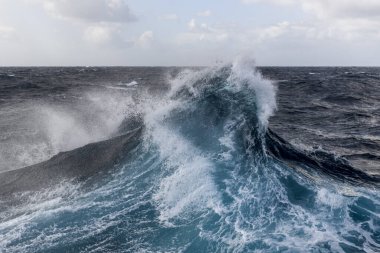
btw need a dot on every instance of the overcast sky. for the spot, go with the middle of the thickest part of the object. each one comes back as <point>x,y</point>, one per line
<point>184,32</point>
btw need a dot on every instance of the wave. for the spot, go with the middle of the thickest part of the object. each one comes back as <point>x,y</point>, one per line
<point>205,173</point>
<point>39,130</point>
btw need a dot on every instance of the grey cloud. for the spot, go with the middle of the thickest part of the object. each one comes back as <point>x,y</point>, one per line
<point>116,11</point>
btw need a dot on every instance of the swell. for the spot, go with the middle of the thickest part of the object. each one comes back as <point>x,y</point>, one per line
<point>203,103</point>
<point>318,161</point>
<point>79,164</point>
<point>201,171</point>
<point>238,93</point>
<point>83,163</point>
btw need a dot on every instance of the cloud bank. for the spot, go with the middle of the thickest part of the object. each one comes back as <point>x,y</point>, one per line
<point>91,10</point>
<point>145,32</point>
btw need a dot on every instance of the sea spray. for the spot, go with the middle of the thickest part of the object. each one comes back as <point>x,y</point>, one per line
<point>201,179</point>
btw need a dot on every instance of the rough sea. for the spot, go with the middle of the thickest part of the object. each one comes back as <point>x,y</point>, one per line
<point>234,158</point>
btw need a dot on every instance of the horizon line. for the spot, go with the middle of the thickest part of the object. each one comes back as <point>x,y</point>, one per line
<point>184,66</point>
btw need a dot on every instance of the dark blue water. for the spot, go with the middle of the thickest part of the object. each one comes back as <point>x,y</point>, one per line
<point>223,164</point>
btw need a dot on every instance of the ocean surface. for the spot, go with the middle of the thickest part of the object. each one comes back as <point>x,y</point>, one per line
<point>234,158</point>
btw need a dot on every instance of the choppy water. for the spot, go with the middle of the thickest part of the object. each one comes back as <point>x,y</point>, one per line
<point>209,172</point>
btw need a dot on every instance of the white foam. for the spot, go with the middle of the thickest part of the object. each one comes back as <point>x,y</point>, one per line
<point>227,140</point>
<point>40,205</point>
<point>188,186</point>
<point>245,76</point>
<point>327,197</point>
<point>133,83</point>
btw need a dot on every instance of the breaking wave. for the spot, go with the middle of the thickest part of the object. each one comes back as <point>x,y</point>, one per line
<point>207,175</point>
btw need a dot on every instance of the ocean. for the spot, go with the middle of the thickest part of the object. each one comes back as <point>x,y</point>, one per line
<point>233,158</point>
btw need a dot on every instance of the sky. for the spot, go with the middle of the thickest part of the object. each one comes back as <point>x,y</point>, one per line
<point>189,33</point>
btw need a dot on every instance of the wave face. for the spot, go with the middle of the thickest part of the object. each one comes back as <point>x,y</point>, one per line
<point>207,176</point>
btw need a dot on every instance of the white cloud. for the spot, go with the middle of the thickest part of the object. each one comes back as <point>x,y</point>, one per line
<point>190,38</point>
<point>98,34</point>
<point>206,13</point>
<point>331,8</point>
<point>200,28</point>
<point>273,31</point>
<point>104,34</point>
<point>191,25</point>
<point>6,32</point>
<point>202,32</point>
<point>343,9</point>
<point>145,40</point>
<point>338,20</point>
<point>101,20</point>
<point>90,10</point>
<point>73,31</point>
<point>112,36</point>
